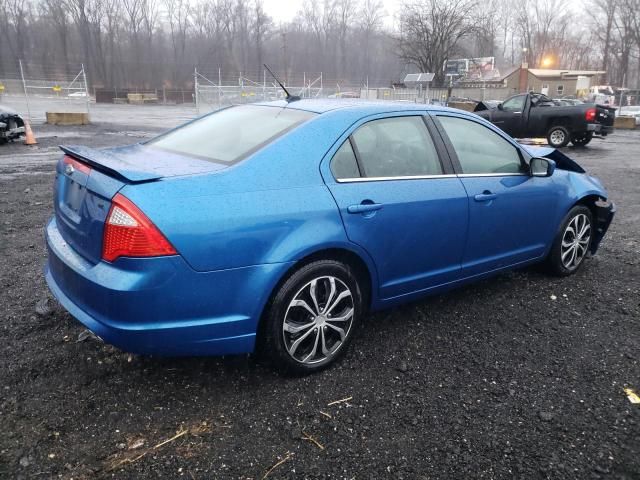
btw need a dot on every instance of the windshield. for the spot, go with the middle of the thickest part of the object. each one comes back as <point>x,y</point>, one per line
<point>229,135</point>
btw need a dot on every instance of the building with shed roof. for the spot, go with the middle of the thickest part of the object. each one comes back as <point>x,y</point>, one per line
<point>552,82</point>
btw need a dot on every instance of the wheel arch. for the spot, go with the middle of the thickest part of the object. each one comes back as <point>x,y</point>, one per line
<point>589,201</point>
<point>559,122</point>
<point>360,263</point>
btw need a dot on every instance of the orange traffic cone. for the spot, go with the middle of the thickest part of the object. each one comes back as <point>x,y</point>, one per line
<point>29,137</point>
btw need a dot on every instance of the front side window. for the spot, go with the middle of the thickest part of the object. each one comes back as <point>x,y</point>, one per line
<point>515,104</point>
<point>396,147</point>
<point>231,134</point>
<point>479,149</point>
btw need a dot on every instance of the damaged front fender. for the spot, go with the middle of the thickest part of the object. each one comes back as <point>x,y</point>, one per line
<point>11,125</point>
<point>604,213</point>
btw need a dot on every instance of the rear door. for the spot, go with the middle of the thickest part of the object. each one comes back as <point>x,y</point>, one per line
<point>510,212</point>
<point>401,203</point>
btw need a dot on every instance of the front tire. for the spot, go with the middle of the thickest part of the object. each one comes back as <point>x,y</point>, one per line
<point>558,136</point>
<point>312,318</point>
<point>582,139</point>
<point>572,242</point>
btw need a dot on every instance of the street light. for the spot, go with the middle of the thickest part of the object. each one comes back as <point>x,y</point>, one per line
<point>547,61</point>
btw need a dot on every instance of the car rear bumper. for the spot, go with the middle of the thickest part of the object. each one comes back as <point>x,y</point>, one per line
<point>600,129</point>
<point>161,305</point>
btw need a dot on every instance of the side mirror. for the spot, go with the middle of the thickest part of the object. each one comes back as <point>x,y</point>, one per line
<point>542,167</point>
<point>500,107</point>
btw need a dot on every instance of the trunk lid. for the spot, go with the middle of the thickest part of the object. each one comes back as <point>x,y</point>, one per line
<point>87,179</point>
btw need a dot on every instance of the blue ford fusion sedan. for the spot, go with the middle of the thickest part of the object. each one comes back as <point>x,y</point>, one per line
<point>280,225</point>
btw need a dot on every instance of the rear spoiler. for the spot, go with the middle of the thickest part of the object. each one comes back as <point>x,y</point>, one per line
<point>109,163</point>
<point>142,163</point>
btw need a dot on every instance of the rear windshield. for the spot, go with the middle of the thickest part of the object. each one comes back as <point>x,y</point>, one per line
<point>231,134</point>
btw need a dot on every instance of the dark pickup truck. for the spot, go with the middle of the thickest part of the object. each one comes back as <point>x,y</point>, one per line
<point>532,115</point>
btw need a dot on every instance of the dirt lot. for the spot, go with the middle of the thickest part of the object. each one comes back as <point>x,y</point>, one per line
<point>520,376</point>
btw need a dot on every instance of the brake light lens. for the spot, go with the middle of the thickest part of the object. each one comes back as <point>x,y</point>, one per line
<point>129,233</point>
<point>81,167</point>
<point>590,115</point>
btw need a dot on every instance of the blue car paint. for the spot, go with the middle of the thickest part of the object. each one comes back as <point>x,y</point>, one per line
<point>239,229</point>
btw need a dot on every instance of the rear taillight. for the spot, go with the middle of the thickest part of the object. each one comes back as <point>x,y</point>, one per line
<point>590,115</point>
<point>81,167</point>
<point>129,233</point>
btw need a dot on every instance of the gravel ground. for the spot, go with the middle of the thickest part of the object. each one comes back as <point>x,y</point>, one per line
<point>520,376</point>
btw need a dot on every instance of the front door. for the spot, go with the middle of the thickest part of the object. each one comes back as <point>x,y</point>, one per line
<point>510,212</point>
<point>398,203</point>
<point>511,116</point>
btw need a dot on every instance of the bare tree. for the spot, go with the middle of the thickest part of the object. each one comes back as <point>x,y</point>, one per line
<point>370,23</point>
<point>345,10</point>
<point>605,13</point>
<point>431,31</point>
<point>54,9</point>
<point>124,43</point>
<point>14,15</point>
<point>624,26</point>
<point>541,25</point>
<point>260,26</point>
<point>179,16</point>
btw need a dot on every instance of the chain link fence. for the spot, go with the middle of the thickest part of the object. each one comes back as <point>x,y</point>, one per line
<point>67,90</point>
<point>64,91</point>
<point>222,92</point>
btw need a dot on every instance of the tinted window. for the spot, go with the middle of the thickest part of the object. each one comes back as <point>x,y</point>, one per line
<point>344,164</point>
<point>479,149</point>
<point>515,104</point>
<point>396,147</point>
<point>231,134</point>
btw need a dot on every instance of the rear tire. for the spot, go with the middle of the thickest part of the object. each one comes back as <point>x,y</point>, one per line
<point>558,136</point>
<point>312,318</point>
<point>582,139</point>
<point>572,242</point>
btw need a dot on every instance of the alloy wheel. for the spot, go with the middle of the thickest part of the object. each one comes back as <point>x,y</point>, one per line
<point>575,241</point>
<point>557,137</point>
<point>318,320</point>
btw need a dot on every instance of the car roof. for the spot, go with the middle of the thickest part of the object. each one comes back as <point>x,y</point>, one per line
<point>368,107</point>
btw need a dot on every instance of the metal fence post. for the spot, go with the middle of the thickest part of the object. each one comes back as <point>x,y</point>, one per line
<point>24,85</point>
<point>195,87</point>
<point>86,87</point>
<point>219,88</point>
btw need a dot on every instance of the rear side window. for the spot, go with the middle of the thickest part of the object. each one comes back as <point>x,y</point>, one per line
<point>396,147</point>
<point>344,164</point>
<point>231,134</point>
<point>479,149</point>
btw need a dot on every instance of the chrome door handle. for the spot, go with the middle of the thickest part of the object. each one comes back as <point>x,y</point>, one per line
<point>485,196</point>
<point>364,207</point>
